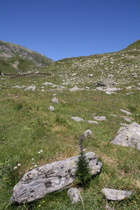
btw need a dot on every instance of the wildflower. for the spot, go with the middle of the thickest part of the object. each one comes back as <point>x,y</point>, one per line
<point>40,151</point>
<point>32,158</point>
<point>19,165</point>
<point>35,166</point>
<point>15,167</point>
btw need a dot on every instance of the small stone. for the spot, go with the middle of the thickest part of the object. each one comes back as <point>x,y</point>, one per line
<point>127,119</point>
<point>92,122</point>
<point>51,108</point>
<point>100,118</point>
<point>55,100</point>
<point>126,112</point>
<point>76,89</point>
<point>74,195</point>
<point>113,115</point>
<point>77,119</point>
<point>112,194</point>
<point>88,133</point>
<point>31,87</point>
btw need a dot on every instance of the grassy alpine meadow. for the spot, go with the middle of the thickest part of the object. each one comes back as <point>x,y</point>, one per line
<point>31,135</point>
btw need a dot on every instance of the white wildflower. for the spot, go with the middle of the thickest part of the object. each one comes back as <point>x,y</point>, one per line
<point>40,151</point>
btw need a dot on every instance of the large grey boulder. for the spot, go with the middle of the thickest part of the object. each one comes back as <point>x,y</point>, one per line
<point>112,194</point>
<point>49,178</point>
<point>128,136</point>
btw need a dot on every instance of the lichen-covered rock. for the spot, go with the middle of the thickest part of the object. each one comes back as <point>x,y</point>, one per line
<point>128,136</point>
<point>49,178</point>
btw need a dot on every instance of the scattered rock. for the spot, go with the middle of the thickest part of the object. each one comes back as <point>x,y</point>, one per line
<point>107,207</point>
<point>76,89</point>
<point>100,118</point>
<point>92,122</point>
<point>55,100</point>
<point>124,124</point>
<point>90,75</point>
<point>49,178</point>
<point>110,92</point>
<point>17,86</point>
<point>128,136</point>
<point>78,119</point>
<point>112,194</point>
<point>113,115</point>
<point>74,195</point>
<point>128,88</point>
<point>47,83</point>
<point>127,119</point>
<point>106,83</point>
<point>51,108</point>
<point>59,87</point>
<point>126,112</point>
<point>31,87</point>
<point>88,133</point>
<point>74,74</point>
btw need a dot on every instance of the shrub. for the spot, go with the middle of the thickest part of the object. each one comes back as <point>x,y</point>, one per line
<point>83,173</point>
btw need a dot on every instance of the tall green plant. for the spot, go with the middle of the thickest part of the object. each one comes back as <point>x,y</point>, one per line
<point>83,173</point>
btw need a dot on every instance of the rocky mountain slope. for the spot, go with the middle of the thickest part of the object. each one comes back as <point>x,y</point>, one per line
<point>122,67</point>
<point>17,59</point>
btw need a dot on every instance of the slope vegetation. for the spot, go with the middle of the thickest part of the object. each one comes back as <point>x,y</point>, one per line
<point>36,130</point>
<point>15,59</point>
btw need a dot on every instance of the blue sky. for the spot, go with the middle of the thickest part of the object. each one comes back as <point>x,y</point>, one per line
<point>70,28</point>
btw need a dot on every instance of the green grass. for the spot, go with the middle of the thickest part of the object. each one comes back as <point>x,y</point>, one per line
<point>27,126</point>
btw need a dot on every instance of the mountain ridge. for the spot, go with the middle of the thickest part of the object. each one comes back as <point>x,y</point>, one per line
<point>20,59</point>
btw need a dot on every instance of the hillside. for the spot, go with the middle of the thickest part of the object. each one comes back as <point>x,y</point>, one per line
<point>42,118</point>
<point>15,59</point>
<point>122,67</point>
